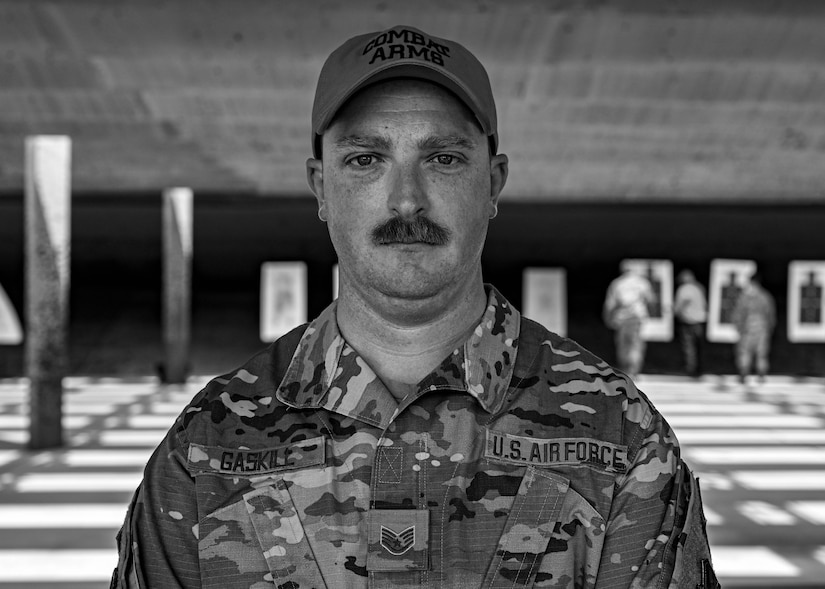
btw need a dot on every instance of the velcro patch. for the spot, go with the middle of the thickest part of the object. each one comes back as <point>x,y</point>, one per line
<point>555,451</point>
<point>244,461</point>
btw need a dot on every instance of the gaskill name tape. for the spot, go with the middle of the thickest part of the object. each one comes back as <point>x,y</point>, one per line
<point>551,452</point>
<point>257,461</point>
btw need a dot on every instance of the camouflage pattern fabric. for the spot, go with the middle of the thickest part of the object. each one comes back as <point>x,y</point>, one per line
<point>754,316</point>
<point>521,461</point>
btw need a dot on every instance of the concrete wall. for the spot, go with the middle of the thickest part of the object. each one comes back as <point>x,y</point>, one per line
<point>116,269</point>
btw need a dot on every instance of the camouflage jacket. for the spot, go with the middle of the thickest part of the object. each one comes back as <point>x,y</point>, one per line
<point>521,461</point>
<point>754,311</point>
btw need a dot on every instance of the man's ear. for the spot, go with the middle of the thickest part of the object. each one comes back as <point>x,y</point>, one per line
<point>499,168</point>
<point>315,178</point>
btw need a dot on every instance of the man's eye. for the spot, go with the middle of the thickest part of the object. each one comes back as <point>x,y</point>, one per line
<point>445,159</point>
<point>363,160</point>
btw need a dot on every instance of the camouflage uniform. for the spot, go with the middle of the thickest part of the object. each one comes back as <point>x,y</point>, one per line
<point>625,310</point>
<point>754,316</point>
<point>521,461</point>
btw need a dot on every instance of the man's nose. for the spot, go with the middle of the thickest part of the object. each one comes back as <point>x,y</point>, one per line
<point>407,192</point>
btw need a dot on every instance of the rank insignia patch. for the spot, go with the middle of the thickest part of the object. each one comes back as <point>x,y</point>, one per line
<point>396,543</point>
<point>398,540</point>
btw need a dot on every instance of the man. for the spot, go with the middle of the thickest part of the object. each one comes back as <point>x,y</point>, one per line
<point>625,310</point>
<point>419,432</point>
<point>754,316</point>
<point>690,308</point>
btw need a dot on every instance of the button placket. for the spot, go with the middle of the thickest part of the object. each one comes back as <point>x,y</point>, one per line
<point>399,535</point>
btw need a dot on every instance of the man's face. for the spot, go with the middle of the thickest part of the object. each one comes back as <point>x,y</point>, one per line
<point>407,186</point>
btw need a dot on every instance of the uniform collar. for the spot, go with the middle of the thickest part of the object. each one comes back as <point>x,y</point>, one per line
<point>326,372</point>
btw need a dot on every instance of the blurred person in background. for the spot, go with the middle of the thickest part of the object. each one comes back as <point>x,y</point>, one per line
<point>626,308</point>
<point>754,316</point>
<point>690,309</point>
<point>419,432</point>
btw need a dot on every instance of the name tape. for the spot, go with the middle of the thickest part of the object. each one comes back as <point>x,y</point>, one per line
<point>552,452</point>
<point>240,461</point>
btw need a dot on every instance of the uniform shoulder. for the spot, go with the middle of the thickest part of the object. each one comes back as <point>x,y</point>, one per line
<point>247,392</point>
<point>536,339</point>
<point>562,369</point>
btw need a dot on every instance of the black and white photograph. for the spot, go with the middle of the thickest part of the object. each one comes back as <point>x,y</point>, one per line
<point>391,294</point>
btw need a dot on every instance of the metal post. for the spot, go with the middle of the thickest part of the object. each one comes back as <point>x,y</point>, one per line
<point>177,282</point>
<point>48,225</point>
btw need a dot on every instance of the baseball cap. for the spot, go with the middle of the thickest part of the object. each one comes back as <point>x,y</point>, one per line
<point>402,52</point>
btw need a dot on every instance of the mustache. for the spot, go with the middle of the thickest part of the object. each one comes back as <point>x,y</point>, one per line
<point>417,230</point>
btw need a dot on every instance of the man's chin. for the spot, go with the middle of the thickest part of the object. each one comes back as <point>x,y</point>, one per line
<point>408,289</point>
<point>410,294</point>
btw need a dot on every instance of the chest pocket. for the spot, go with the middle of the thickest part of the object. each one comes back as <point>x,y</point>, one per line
<point>280,532</point>
<point>539,535</point>
<point>259,538</point>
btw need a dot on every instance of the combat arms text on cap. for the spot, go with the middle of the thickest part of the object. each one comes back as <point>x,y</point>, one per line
<point>402,52</point>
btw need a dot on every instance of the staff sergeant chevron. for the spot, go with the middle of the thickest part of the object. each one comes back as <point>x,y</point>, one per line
<point>397,543</point>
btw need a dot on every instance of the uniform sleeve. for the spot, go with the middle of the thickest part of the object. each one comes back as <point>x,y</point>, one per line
<point>609,307</point>
<point>158,544</point>
<point>656,532</point>
<point>771,312</point>
<point>650,293</point>
<point>679,300</point>
<point>737,315</point>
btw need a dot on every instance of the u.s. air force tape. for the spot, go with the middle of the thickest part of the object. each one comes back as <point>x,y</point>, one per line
<point>240,461</point>
<point>555,451</point>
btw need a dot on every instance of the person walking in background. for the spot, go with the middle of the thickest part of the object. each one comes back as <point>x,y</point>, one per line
<point>754,316</point>
<point>690,309</point>
<point>626,307</point>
